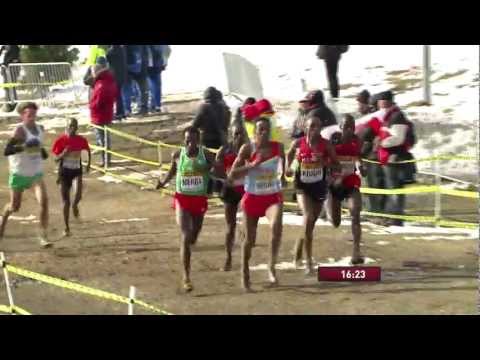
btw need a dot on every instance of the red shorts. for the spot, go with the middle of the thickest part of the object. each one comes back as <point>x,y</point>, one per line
<point>195,205</point>
<point>257,205</point>
<point>352,181</point>
<point>240,189</point>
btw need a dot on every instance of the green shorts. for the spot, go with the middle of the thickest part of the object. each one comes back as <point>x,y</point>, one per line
<point>20,183</point>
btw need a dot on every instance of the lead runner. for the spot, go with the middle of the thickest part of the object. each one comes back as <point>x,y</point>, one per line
<point>191,164</point>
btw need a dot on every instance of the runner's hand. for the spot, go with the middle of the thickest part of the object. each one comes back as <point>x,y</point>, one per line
<point>289,172</point>
<point>160,185</point>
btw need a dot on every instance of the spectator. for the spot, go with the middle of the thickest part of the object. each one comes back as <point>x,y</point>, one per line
<point>104,95</point>
<point>213,119</point>
<point>9,75</point>
<point>387,138</point>
<point>117,61</point>
<point>157,62</point>
<point>363,102</point>
<point>137,64</point>
<point>95,52</point>
<point>331,54</point>
<point>239,115</point>
<point>313,101</point>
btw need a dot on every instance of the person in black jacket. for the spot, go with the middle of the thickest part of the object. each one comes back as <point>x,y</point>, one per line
<point>117,61</point>
<point>314,100</point>
<point>213,119</point>
<point>137,64</point>
<point>9,75</point>
<point>331,54</point>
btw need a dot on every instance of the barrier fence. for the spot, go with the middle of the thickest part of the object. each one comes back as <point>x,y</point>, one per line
<point>13,309</point>
<point>438,189</point>
<point>47,83</point>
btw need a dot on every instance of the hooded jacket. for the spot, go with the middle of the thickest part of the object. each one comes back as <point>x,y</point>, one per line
<point>117,61</point>
<point>213,116</point>
<point>105,92</point>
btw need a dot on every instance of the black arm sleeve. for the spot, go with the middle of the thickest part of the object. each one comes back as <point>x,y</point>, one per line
<point>12,148</point>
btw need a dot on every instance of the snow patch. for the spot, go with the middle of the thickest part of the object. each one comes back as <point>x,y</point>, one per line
<point>105,221</point>
<point>109,179</point>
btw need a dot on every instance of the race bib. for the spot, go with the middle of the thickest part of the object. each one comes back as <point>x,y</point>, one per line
<point>348,165</point>
<point>192,183</point>
<point>311,172</point>
<point>72,161</point>
<point>265,183</point>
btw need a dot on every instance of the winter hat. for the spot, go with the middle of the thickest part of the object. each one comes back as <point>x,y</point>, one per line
<point>250,112</point>
<point>386,95</point>
<point>314,97</point>
<point>363,97</point>
<point>264,107</point>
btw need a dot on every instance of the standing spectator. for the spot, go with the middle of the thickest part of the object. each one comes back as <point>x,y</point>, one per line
<point>314,100</point>
<point>331,54</point>
<point>117,61</point>
<point>157,62</point>
<point>11,56</point>
<point>239,115</point>
<point>396,138</point>
<point>213,119</point>
<point>137,64</point>
<point>103,99</point>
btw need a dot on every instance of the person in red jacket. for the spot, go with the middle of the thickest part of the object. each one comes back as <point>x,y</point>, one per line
<point>102,103</point>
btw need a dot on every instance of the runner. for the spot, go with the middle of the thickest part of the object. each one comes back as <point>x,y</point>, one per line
<point>231,192</point>
<point>25,154</point>
<point>314,154</point>
<point>67,148</point>
<point>263,165</point>
<point>347,184</point>
<point>191,165</point>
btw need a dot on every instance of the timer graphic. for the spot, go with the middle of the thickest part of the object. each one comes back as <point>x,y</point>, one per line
<point>353,273</point>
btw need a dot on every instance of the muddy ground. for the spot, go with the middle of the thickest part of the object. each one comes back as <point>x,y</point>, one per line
<point>129,237</point>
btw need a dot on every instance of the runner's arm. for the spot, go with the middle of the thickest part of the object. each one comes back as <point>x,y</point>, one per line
<point>240,167</point>
<point>283,162</point>
<point>89,161</point>
<point>14,145</point>
<point>171,173</point>
<point>219,169</point>
<point>291,156</point>
<point>334,164</point>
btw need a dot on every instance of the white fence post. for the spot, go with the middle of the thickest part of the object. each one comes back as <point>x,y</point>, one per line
<point>105,147</point>
<point>131,297</point>
<point>3,264</point>
<point>159,150</point>
<point>438,194</point>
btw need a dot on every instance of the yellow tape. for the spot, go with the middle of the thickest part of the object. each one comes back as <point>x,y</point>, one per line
<point>79,288</point>
<point>432,158</point>
<point>141,140</point>
<point>460,193</point>
<point>148,162</point>
<point>15,310</point>
<point>13,85</point>
<point>402,191</point>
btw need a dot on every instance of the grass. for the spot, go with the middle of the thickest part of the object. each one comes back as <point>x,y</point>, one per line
<point>447,111</point>
<point>402,85</point>
<point>348,86</point>
<point>397,72</point>
<point>417,103</point>
<point>374,67</point>
<point>451,75</point>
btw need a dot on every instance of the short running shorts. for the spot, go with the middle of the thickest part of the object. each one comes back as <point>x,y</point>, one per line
<point>195,205</point>
<point>18,182</point>
<point>257,205</point>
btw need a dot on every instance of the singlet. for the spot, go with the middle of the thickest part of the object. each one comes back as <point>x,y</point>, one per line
<point>228,159</point>
<point>347,155</point>
<point>190,179</point>
<point>76,144</point>
<point>311,167</point>
<point>28,162</point>
<point>264,180</point>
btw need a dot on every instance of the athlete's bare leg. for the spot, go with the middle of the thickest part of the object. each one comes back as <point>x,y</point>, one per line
<point>299,243</point>
<point>10,208</point>
<point>355,206</point>
<point>251,224</point>
<point>42,198</point>
<point>78,196</point>
<point>185,221</point>
<point>334,208</point>
<point>231,225</point>
<point>65,192</point>
<point>275,218</point>
<point>310,217</point>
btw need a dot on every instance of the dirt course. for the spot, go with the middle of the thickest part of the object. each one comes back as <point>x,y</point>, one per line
<point>128,237</point>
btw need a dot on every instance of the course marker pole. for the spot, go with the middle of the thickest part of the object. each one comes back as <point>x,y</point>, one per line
<point>3,264</point>
<point>438,194</point>
<point>131,298</point>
